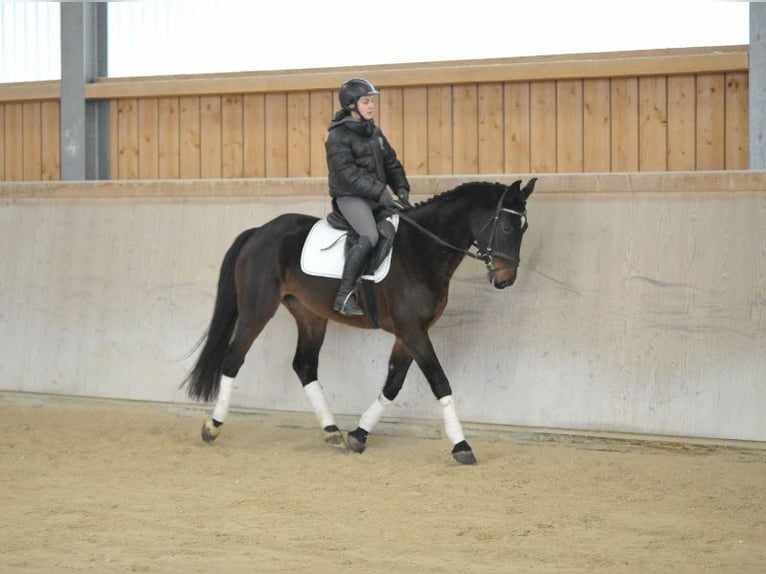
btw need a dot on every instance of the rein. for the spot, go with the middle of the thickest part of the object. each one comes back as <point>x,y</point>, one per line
<point>485,255</point>
<point>479,256</point>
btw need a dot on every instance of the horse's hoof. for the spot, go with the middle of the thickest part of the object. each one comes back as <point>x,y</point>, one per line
<point>464,457</point>
<point>210,430</point>
<point>463,453</point>
<point>334,437</point>
<point>357,440</point>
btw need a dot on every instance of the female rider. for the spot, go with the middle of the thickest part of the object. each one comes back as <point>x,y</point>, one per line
<point>361,165</point>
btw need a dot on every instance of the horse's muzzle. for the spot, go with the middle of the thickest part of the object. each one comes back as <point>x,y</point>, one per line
<point>501,276</point>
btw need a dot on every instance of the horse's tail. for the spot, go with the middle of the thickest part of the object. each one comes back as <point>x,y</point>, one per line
<point>205,378</point>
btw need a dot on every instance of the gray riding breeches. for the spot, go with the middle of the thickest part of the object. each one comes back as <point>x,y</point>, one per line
<point>358,213</point>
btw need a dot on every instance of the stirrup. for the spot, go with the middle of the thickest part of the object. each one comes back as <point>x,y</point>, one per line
<point>349,306</point>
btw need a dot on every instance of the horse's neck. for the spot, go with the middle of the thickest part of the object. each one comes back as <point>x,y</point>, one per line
<point>449,221</point>
<point>450,224</point>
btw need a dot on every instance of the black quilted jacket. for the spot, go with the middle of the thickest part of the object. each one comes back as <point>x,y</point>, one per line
<point>360,160</point>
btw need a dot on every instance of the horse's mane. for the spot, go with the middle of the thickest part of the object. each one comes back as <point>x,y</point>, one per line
<point>468,187</point>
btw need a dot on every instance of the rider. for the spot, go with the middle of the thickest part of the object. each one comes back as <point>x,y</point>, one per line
<point>361,164</point>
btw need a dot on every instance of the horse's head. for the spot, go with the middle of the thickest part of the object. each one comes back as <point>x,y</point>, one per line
<point>499,239</point>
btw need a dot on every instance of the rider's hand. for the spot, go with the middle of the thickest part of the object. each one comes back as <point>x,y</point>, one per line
<point>404,195</point>
<point>386,200</point>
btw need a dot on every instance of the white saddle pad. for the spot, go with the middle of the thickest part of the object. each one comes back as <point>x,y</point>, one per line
<point>323,255</point>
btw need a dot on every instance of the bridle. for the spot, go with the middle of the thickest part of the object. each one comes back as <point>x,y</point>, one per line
<point>484,255</point>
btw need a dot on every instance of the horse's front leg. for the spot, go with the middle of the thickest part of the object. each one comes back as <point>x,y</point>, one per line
<point>422,349</point>
<point>398,365</point>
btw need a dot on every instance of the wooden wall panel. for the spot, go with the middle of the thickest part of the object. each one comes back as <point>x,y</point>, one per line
<point>710,118</point>
<point>569,126</point>
<point>276,135</point>
<point>210,142</point>
<point>681,111</point>
<point>597,126</point>
<point>113,140</point>
<point>491,143</point>
<point>682,123</point>
<point>51,141</point>
<point>321,112</point>
<point>517,138</point>
<point>542,121</point>
<point>2,142</point>
<point>465,129</point>
<point>232,136</point>
<point>653,124</point>
<point>298,135</point>
<point>169,140</point>
<point>624,135</point>
<point>189,143</point>
<point>255,135</point>
<point>440,152</point>
<point>148,138</point>
<point>127,138</point>
<point>32,141</point>
<point>391,118</point>
<point>415,148</point>
<point>736,121</point>
<point>14,139</point>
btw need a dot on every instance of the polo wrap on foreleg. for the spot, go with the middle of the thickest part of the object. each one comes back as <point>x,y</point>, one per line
<point>451,422</point>
<point>372,415</point>
<point>318,400</point>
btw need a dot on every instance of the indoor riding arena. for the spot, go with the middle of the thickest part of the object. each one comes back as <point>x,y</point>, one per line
<point>614,396</point>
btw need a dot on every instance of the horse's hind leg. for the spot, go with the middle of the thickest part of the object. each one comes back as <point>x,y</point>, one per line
<point>211,428</point>
<point>257,307</point>
<point>398,365</point>
<point>311,332</point>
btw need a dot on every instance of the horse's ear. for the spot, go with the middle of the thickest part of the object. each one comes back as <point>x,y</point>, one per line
<point>529,188</point>
<point>515,187</point>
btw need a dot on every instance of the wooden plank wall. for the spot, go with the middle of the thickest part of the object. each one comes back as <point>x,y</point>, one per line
<point>29,141</point>
<point>662,123</point>
<point>670,110</point>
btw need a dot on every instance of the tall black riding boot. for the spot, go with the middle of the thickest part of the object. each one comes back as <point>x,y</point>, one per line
<point>345,301</point>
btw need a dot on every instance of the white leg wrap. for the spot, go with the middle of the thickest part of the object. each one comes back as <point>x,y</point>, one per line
<point>222,404</point>
<point>451,422</point>
<point>372,415</point>
<point>319,402</point>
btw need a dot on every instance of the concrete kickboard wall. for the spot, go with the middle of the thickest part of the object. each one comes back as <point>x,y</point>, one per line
<point>640,305</point>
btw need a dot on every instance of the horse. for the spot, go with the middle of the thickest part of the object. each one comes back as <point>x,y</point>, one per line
<point>261,270</point>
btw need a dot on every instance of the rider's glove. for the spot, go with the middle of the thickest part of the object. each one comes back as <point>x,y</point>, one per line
<point>386,200</point>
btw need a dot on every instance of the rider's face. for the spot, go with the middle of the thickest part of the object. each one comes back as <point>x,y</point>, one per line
<point>365,107</point>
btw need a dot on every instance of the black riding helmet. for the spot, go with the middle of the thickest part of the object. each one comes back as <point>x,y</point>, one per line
<point>354,89</point>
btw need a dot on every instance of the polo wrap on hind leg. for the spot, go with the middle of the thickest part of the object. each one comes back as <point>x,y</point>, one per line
<point>316,395</point>
<point>222,403</point>
<point>452,424</point>
<point>372,415</point>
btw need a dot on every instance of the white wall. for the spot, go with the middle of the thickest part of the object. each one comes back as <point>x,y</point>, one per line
<point>640,304</point>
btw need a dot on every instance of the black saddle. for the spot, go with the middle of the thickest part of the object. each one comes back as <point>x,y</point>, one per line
<point>386,232</point>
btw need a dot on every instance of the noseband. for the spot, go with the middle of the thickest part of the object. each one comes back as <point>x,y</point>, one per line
<point>489,252</point>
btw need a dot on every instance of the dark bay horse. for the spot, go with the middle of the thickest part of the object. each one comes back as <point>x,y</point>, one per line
<point>261,270</point>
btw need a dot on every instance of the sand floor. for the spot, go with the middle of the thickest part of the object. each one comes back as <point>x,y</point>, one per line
<point>111,486</point>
